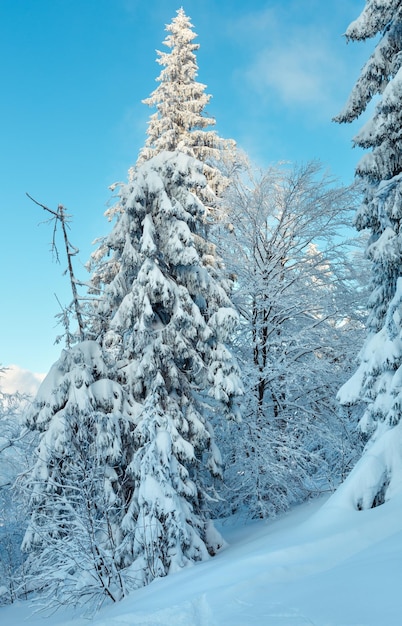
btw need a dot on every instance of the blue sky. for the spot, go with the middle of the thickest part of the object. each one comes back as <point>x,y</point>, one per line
<point>74,73</point>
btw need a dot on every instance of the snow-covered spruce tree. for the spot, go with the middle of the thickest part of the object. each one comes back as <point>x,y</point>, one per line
<point>378,379</point>
<point>76,487</point>
<point>180,122</point>
<point>296,288</point>
<point>170,316</point>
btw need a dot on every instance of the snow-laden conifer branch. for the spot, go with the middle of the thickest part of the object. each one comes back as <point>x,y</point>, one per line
<point>377,383</point>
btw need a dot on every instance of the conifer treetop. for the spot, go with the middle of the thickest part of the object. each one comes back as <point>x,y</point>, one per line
<point>180,122</point>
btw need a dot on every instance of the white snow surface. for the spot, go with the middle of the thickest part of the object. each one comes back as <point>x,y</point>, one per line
<point>322,564</point>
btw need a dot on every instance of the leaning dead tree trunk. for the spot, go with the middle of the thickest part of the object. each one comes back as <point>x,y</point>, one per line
<point>61,217</point>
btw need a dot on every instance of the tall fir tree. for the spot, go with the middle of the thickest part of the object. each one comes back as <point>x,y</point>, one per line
<point>164,316</point>
<point>378,379</point>
<point>170,316</point>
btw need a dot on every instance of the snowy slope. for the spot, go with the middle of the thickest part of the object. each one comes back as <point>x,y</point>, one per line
<point>321,565</point>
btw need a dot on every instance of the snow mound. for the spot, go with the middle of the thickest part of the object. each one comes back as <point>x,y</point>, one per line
<point>324,563</point>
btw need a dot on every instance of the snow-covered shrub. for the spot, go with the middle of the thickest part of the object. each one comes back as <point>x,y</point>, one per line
<point>16,449</point>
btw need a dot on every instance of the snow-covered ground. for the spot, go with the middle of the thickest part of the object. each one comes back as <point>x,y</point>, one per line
<point>323,564</point>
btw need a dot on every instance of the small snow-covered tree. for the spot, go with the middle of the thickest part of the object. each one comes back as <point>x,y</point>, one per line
<point>180,122</point>
<point>16,449</point>
<point>170,316</point>
<point>295,288</point>
<point>76,487</point>
<point>378,381</point>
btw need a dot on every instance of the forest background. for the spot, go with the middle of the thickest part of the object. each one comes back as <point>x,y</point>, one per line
<point>126,476</point>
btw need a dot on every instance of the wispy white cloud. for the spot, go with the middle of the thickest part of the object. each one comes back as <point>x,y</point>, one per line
<point>257,23</point>
<point>15,378</point>
<point>297,58</point>
<point>299,72</point>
